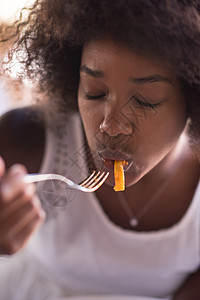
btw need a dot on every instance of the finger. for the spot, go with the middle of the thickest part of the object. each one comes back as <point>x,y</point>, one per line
<point>14,217</point>
<point>21,222</point>
<point>22,237</point>
<point>2,167</point>
<point>16,229</point>
<point>13,207</point>
<point>16,169</point>
<point>12,186</point>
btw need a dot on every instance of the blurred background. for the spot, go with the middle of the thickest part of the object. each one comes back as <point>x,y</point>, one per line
<point>11,93</point>
<point>10,9</point>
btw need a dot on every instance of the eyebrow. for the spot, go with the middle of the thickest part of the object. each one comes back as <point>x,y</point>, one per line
<point>149,79</point>
<point>89,71</point>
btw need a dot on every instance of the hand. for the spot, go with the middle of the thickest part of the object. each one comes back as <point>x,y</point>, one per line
<point>20,209</point>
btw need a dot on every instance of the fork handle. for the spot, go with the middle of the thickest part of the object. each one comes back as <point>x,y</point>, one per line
<point>30,178</point>
<point>35,177</point>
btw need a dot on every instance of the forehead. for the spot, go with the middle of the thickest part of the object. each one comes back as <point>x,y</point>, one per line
<point>107,53</point>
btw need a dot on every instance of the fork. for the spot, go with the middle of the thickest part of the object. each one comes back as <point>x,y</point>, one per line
<point>90,184</point>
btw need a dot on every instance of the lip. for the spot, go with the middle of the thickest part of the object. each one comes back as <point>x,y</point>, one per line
<point>108,158</point>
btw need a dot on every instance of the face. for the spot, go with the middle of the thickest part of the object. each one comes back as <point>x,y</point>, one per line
<point>131,107</point>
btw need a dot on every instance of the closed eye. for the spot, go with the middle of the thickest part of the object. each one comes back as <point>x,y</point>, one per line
<point>94,97</point>
<point>143,102</point>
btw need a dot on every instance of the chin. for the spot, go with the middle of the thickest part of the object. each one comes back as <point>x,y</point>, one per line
<point>133,173</point>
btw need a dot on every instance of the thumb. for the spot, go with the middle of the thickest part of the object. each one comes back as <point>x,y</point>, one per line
<point>2,167</point>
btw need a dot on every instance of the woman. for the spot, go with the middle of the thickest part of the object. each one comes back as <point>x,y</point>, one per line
<point>133,66</point>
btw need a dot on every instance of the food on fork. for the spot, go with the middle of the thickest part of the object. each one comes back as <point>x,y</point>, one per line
<point>119,175</point>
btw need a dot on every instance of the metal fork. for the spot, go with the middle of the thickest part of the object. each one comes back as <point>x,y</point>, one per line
<point>90,184</point>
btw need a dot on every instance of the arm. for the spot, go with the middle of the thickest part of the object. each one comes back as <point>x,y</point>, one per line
<point>190,290</point>
<point>20,209</point>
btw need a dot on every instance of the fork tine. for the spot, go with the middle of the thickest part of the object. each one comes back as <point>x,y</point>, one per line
<point>87,179</point>
<point>95,180</point>
<point>92,179</point>
<point>95,187</point>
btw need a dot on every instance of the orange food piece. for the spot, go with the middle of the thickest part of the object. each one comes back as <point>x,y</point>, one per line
<point>119,175</point>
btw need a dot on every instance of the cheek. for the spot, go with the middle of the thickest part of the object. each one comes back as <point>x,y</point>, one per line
<point>91,116</point>
<point>158,134</point>
<point>175,120</point>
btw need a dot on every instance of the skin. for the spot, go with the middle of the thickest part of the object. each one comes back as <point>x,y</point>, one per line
<point>111,75</point>
<point>20,210</point>
<point>152,142</point>
<point>21,213</point>
<point>116,121</point>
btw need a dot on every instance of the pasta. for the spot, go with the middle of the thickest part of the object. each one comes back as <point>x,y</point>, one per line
<point>119,175</point>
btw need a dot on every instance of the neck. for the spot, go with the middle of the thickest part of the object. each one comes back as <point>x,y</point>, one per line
<point>168,165</point>
<point>178,173</point>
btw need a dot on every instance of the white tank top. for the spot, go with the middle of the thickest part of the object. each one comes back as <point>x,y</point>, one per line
<point>79,251</point>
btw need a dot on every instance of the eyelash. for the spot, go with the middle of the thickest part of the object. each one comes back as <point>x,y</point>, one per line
<point>136,98</point>
<point>90,97</point>
<point>145,103</point>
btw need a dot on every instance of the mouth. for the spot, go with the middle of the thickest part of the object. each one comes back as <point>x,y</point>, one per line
<point>109,157</point>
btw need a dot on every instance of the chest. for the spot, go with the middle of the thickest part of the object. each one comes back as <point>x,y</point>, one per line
<point>150,212</point>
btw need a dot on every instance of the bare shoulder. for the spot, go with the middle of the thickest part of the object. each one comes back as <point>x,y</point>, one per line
<point>22,137</point>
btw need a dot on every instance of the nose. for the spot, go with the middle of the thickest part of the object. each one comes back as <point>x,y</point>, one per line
<point>115,125</point>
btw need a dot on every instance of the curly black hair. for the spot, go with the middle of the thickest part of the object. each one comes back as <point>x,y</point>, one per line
<point>56,30</point>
